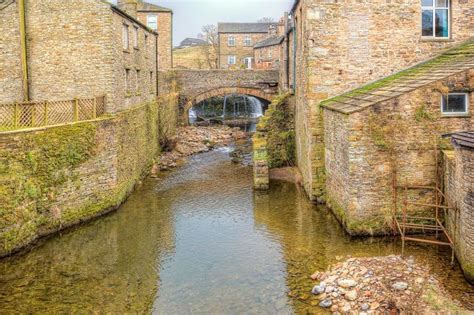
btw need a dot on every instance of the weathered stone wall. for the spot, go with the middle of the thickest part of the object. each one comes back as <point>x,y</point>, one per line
<point>343,45</point>
<point>52,178</point>
<point>458,180</point>
<point>11,82</point>
<point>364,148</point>
<point>143,58</point>
<point>240,51</point>
<point>165,38</point>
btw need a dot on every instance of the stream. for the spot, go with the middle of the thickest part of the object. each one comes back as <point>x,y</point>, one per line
<point>199,240</point>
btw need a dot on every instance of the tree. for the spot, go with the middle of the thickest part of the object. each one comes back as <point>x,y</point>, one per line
<point>266,20</point>
<point>210,50</point>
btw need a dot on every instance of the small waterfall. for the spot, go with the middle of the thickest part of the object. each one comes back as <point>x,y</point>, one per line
<point>256,108</point>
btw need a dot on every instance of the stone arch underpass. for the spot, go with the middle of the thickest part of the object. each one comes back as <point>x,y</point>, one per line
<point>195,86</point>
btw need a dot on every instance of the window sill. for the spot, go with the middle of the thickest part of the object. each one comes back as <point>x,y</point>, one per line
<point>136,48</point>
<point>456,115</point>
<point>126,51</point>
<point>437,39</point>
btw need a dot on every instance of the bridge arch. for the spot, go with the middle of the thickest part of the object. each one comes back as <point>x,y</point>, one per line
<point>223,91</point>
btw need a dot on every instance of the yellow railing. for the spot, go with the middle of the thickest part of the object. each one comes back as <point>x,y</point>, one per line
<point>47,113</point>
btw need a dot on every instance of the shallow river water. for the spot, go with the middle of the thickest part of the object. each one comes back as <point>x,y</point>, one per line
<point>198,241</point>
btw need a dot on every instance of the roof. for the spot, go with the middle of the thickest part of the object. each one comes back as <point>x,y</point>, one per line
<point>149,7</point>
<point>271,41</point>
<point>193,41</point>
<point>244,27</point>
<point>131,18</point>
<point>463,139</point>
<point>453,61</point>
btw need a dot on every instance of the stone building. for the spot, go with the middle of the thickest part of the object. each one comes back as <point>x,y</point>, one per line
<point>160,20</point>
<point>267,53</point>
<point>236,43</point>
<point>459,187</point>
<point>192,42</point>
<point>58,50</point>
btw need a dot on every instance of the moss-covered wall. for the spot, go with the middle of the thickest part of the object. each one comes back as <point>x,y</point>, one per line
<point>56,177</point>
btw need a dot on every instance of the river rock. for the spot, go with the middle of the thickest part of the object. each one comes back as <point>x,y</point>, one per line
<point>346,308</point>
<point>351,295</point>
<point>347,283</point>
<point>365,307</point>
<point>326,303</point>
<point>318,289</point>
<point>400,286</point>
<point>330,289</point>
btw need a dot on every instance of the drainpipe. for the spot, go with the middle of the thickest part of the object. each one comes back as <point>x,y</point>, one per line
<point>294,56</point>
<point>156,63</point>
<point>24,55</point>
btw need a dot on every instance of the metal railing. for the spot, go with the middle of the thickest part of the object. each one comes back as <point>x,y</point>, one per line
<point>15,116</point>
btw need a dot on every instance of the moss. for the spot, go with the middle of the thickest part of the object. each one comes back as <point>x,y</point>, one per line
<point>48,161</point>
<point>422,114</point>
<point>438,302</point>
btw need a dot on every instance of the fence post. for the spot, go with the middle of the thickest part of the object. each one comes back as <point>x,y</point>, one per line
<point>76,109</point>
<point>94,110</point>
<point>45,119</point>
<point>15,116</point>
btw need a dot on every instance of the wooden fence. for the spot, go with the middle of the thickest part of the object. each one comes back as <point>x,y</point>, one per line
<point>47,113</point>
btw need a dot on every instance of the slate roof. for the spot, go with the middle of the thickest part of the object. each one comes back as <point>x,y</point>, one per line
<point>271,41</point>
<point>149,7</point>
<point>453,61</point>
<point>463,139</point>
<point>244,27</point>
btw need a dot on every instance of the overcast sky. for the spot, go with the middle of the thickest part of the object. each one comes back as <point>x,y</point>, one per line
<point>191,15</point>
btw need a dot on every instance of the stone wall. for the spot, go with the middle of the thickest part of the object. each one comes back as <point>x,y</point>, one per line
<point>343,45</point>
<point>11,82</point>
<point>55,177</point>
<point>458,182</point>
<point>240,51</point>
<point>74,50</point>
<point>363,150</point>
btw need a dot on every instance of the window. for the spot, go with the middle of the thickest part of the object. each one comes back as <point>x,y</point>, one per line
<point>231,41</point>
<point>127,80</point>
<point>455,104</point>
<point>247,41</point>
<point>152,22</point>
<point>125,38</point>
<point>270,53</point>
<point>135,37</point>
<point>435,18</point>
<point>137,82</point>
<point>146,44</point>
<point>151,81</point>
<point>231,60</point>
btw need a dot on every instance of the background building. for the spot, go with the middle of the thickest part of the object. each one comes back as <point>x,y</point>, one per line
<point>267,53</point>
<point>236,43</point>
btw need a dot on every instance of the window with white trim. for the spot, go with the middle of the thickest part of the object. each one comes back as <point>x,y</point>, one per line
<point>270,53</point>
<point>455,104</point>
<point>435,18</point>
<point>125,37</point>
<point>231,60</point>
<point>152,22</point>
<point>231,41</point>
<point>135,37</point>
<point>248,41</point>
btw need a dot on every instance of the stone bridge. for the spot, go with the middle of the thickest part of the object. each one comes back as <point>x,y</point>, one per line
<point>195,86</point>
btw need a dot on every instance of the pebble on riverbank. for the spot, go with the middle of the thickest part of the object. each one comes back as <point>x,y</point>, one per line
<point>192,140</point>
<point>377,285</point>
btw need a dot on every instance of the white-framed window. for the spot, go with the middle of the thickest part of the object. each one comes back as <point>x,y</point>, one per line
<point>127,80</point>
<point>231,41</point>
<point>435,18</point>
<point>248,41</point>
<point>231,60</point>
<point>270,54</point>
<point>152,22</point>
<point>125,37</point>
<point>135,37</point>
<point>137,81</point>
<point>455,104</point>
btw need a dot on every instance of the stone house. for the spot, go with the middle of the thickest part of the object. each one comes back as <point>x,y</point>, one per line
<point>160,20</point>
<point>267,53</point>
<point>236,43</point>
<point>334,47</point>
<point>59,50</point>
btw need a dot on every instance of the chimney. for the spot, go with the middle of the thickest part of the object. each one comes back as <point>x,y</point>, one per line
<point>128,6</point>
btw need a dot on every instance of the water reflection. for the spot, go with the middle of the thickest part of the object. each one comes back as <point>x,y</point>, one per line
<point>197,241</point>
